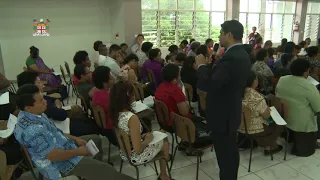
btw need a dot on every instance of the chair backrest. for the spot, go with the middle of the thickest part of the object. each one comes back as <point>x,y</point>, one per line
<point>282,106</point>
<point>63,75</point>
<point>138,91</point>
<point>3,163</point>
<point>162,113</point>
<point>75,89</point>
<point>66,65</point>
<point>150,75</point>
<point>84,104</point>
<point>270,100</point>
<point>184,128</point>
<point>189,92</point>
<point>246,118</point>
<point>202,98</point>
<point>124,142</point>
<point>12,88</point>
<point>99,115</point>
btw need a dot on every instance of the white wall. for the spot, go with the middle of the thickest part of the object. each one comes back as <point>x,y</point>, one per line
<point>75,25</point>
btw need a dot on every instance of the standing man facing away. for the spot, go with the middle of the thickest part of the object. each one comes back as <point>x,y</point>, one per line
<point>226,83</point>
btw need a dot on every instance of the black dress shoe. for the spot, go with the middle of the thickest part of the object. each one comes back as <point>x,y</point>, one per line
<point>273,151</point>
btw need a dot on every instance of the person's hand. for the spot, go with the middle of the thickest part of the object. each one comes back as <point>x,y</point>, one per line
<point>80,141</point>
<point>58,103</point>
<point>148,137</point>
<point>83,151</point>
<point>200,59</point>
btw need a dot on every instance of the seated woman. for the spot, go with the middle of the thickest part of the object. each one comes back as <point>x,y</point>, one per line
<point>171,94</point>
<point>35,63</point>
<point>121,99</point>
<point>264,132</point>
<point>81,57</point>
<point>189,75</point>
<point>271,53</point>
<point>303,105</point>
<point>103,80</point>
<point>128,69</point>
<point>155,65</point>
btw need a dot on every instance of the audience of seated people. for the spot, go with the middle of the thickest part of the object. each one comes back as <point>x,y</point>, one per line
<point>171,94</point>
<point>63,154</point>
<point>143,55</point>
<point>303,105</point>
<point>260,125</point>
<point>103,80</point>
<point>113,60</point>
<point>121,99</point>
<point>130,64</point>
<point>96,52</point>
<point>84,86</point>
<point>81,57</point>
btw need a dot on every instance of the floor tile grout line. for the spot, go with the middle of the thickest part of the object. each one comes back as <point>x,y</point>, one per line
<point>300,171</point>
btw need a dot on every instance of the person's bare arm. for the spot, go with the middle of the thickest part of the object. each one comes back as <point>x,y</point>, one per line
<point>132,76</point>
<point>91,92</point>
<point>134,126</point>
<point>63,155</point>
<point>183,108</point>
<point>266,114</point>
<point>35,68</point>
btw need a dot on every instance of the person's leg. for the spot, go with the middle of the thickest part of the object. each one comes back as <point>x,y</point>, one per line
<point>163,163</point>
<point>91,169</point>
<point>97,140</point>
<point>226,149</point>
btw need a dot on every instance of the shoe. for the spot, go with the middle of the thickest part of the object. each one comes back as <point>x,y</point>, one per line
<point>194,152</point>
<point>273,151</point>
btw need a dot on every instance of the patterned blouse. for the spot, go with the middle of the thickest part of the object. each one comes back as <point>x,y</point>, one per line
<point>262,68</point>
<point>257,105</point>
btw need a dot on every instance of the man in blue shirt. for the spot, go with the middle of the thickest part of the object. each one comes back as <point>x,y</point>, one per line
<point>53,153</point>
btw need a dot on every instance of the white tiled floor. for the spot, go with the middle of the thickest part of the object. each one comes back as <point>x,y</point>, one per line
<point>294,168</point>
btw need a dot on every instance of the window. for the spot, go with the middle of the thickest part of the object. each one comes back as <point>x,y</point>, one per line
<point>273,19</point>
<point>166,22</point>
<point>312,25</point>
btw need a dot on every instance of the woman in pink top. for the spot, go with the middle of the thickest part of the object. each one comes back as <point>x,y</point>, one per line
<point>103,80</point>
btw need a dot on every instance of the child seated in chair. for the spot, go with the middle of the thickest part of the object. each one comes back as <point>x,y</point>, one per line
<point>121,99</point>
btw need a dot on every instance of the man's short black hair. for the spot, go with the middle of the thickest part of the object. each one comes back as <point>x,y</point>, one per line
<point>289,47</point>
<point>153,53</point>
<point>181,57</point>
<point>208,41</point>
<point>79,70</point>
<point>299,66</point>
<point>146,46</point>
<point>114,47</point>
<point>234,27</point>
<point>140,35</point>
<point>130,57</point>
<point>27,77</point>
<point>284,41</point>
<point>123,44</point>
<point>185,42</point>
<point>191,40</point>
<point>170,72</point>
<point>285,59</point>
<point>100,75</point>
<point>312,51</point>
<point>25,96</point>
<point>80,57</point>
<point>261,54</point>
<point>202,49</point>
<point>96,45</point>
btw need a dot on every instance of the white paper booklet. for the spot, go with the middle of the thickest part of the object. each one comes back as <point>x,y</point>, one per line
<point>313,81</point>
<point>149,101</point>
<point>10,127</point>
<point>277,117</point>
<point>67,108</point>
<point>64,126</point>
<point>158,136</point>
<point>92,148</point>
<point>4,98</point>
<point>138,106</point>
<point>57,73</point>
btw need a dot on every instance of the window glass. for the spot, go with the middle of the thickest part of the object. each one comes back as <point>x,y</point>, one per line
<point>149,4</point>
<point>184,4</point>
<point>219,5</point>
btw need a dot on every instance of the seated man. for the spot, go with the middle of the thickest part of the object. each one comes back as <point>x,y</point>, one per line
<point>85,87</point>
<point>303,104</point>
<point>79,124</point>
<point>53,153</point>
<point>171,94</point>
<point>111,60</point>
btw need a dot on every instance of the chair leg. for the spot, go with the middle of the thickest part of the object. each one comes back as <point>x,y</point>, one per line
<point>251,149</point>
<point>173,157</point>
<point>172,146</point>
<point>137,171</point>
<point>155,167</point>
<point>271,154</point>
<point>198,162</point>
<point>212,148</point>
<point>121,164</point>
<point>169,170</point>
<point>286,146</point>
<point>109,153</point>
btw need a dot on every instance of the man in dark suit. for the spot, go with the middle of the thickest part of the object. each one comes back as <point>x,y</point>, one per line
<point>226,83</point>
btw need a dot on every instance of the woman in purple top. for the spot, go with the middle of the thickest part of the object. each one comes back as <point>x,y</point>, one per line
<point>155,65</point>
<point>270,61</point>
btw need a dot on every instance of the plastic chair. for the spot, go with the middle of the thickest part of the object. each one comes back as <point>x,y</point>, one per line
<point>125,146</point>
<point>67,81</point>
<point>138,91</point>
<point>29,163</point>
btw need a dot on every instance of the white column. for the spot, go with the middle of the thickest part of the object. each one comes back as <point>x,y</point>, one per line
<point>301,13</point>
<point>233,9</point>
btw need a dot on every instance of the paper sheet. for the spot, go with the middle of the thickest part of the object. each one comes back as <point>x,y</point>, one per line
<point>148,101</point>
<point>6,133</point>
<point>64,126</point>
<point>57,73</point>
<point>67,108</point>
<point>4,98</point>
<point>92,148</point>
<point>138,106</point>
<point>277,117</point>
<point>10,127</point>
<point>158,136</point>
<point>313,81</point>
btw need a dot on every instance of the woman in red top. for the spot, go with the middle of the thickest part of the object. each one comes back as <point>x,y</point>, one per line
<point>103,80</point>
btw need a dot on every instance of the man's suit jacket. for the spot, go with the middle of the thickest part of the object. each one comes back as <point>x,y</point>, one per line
<point>226,82</point>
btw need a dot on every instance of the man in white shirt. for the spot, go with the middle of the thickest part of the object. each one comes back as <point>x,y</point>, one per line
<point>110,62</point>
